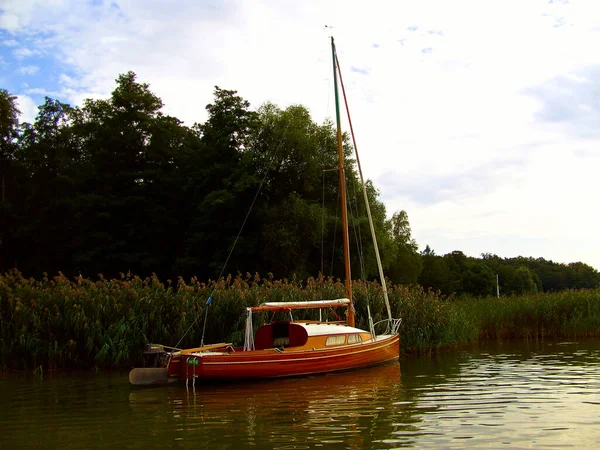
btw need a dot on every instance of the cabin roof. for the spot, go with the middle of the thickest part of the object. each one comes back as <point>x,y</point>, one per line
<point>324,329</point>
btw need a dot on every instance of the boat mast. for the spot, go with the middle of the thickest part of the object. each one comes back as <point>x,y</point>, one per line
<point>350,310</point>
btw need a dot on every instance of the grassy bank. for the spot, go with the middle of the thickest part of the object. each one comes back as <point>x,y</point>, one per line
<point>59,322</point>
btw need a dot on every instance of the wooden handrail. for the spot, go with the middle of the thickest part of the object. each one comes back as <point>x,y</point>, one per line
<point>206,347</point>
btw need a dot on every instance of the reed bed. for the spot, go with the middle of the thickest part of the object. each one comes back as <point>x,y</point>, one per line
<point>569,313</point>
<point>60,322</point>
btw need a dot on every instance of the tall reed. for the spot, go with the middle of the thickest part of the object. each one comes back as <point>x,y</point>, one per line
<point>59,322</point>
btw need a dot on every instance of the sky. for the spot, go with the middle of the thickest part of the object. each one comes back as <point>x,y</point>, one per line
<point>480,119</point>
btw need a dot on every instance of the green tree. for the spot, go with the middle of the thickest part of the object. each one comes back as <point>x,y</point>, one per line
<point>300,204</point>
<point>119,225</point>
<point>582,276</point>
<point>435,274</point>
<point>221,185</point>
<point>299,201</point>
<point>48,156</point>
<point>9,128</point>
<point>478,279</point>
<point>407,264</point>
<point>457,263</point>
<point>384,232</point>
<point>9,124</point>
<point>524,281</point>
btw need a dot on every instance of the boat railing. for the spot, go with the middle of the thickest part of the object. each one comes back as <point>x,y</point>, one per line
<point>392,326</point>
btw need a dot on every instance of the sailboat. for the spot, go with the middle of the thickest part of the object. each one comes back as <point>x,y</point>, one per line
<point>289,347</point>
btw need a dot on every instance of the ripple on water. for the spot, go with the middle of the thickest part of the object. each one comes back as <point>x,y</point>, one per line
<point>492,398</point>
<point>539,400</point>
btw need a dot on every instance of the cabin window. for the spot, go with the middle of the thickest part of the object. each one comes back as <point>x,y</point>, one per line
<point>354,338</point>
<point>336,340</point>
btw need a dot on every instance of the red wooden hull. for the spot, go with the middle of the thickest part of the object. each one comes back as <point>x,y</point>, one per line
<point>271,363</point>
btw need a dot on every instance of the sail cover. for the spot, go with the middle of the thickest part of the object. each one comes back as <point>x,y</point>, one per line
<point>278,306</point>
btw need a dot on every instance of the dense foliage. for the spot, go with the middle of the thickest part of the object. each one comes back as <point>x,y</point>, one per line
<point>456,273</point>
<point>61,322</point>
<point>117,186</point>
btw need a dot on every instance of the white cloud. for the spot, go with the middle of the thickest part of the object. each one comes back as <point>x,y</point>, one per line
<point>10,43</point>
<point>22,53</point>
<point>29,70</point>
<point>441,96</point>
<point>18,14</point>
<point>9,21</point>
<point>28,108</point>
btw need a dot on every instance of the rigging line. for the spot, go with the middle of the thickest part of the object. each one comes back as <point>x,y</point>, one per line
<point>328,96</point>
<point>357,233</point>
<point>323,222</point>
<point>323,225</point>
<point>359,246</point>
<point>190,327</point>
<point>378,258</point>
<point>324,143</point>
<point>337,211</point>
<point>209,301</point>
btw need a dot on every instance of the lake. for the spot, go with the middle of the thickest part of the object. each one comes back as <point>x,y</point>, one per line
<point>494,395</point>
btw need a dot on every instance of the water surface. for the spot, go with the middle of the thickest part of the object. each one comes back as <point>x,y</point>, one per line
<point>501,395</point>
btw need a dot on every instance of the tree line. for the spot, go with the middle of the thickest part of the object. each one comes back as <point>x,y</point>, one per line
<point>116,186</point>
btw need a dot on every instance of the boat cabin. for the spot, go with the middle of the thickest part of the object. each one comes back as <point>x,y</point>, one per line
<point>307,335</point>
<point>280,335</point>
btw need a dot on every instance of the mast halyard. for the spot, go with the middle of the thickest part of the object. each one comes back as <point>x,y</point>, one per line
<point>346,238</point>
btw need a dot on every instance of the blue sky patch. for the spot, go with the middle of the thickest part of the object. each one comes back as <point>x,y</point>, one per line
<point>30,67</point>
<point>359,70</point>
